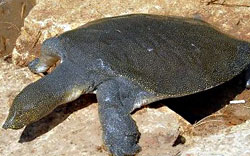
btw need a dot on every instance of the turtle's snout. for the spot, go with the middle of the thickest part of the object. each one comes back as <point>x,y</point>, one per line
<point>12,121</point>
<point>12,125</point>
<point>7,124</point>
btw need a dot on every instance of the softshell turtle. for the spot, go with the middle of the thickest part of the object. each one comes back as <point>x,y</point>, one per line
<point>130,61</point>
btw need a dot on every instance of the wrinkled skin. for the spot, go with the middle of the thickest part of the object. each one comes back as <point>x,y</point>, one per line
<point>130,61</point>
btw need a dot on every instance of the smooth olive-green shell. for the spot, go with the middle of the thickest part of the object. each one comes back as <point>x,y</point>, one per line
<point>169,56</point>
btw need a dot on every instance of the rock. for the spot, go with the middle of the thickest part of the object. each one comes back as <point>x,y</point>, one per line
<point>227,142</point>
<point>52,17</point>
<point>74,128</point>
<point>12,14</point>
<point>159,130</point>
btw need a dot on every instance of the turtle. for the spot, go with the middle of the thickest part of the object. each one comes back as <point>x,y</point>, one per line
<point>128,61</point>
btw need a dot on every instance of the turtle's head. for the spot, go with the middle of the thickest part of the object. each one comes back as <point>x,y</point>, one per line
<point>29,106</point>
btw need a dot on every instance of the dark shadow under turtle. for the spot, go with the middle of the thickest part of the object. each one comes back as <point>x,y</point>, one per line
<point>130,61</point>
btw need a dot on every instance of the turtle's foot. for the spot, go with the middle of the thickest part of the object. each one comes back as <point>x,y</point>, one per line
<point>36,66</point>
<point>127,151</point>
<point>120,133</point>
<point>123,145</point>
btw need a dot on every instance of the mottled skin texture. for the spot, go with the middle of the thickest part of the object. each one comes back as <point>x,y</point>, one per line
<point>129,61</point>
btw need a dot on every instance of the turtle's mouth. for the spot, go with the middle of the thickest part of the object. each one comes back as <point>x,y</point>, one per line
<point>12,122</point>
<point>10,125</point>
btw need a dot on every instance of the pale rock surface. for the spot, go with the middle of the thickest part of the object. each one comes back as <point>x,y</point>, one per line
<point>52,17</point>
<point>232,141</point>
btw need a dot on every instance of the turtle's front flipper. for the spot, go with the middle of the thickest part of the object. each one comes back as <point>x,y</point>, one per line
<point>116,100</point>
<point>51,52</point>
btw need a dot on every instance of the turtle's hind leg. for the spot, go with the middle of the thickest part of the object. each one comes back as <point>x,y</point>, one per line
<point>51,52</point>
